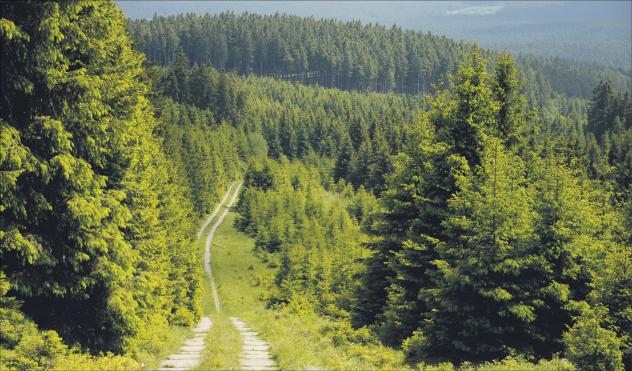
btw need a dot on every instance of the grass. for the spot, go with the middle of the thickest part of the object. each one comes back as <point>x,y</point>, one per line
<point>174,337</point>
<point>298,339</point>
<point>223,344</point>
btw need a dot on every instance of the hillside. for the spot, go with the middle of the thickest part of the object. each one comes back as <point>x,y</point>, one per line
<point>591,32</point>
<point>346,55</point>
<point>404,201</point>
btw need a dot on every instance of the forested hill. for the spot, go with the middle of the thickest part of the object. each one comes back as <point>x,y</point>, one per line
<point>346,55</point>
<point>402,230</point>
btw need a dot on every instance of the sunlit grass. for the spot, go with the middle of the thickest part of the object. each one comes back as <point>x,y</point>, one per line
<point>174,338</point>
<point>297,340</point>
<point>223,345</point>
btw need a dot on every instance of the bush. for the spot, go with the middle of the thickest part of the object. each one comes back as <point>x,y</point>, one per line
<point>24,347</point>
<point>592,347</point>
<point>414,347</point>
<point>341,333</point>
<point>521,364</point>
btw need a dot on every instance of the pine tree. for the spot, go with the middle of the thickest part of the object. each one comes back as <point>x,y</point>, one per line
<point>510,118</point>
<point>470,114</point>
<point>82,235</point>
<point>481,305</point>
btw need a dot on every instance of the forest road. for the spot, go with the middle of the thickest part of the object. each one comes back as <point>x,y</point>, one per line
<point>209,240</point>
<point>190,353</point>
<point>255,353</point>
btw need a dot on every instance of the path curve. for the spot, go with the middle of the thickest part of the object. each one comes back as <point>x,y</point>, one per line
<point>207,247</point>
<point>255,352</point>
<point>219,206</point>
<point>190,353</point>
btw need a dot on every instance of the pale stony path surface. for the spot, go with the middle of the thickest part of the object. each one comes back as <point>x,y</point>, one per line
<point>255,354</point>
<point>190,352</point>
<point>207,246</point>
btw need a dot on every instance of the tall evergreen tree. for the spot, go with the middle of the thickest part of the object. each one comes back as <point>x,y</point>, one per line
<point>482,301</point>
<point>470,114</point>
<point>510,118</point>
<point>82,232</point>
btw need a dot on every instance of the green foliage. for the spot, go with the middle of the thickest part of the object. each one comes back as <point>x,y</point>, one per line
<point>486,264</point>
<point>318,243</point>
<point>507,87</point>
<point>24,347</point>
<point>345,55</point>
<point>324,341</point>
<point>470,113</point>
<point>414,347</point>
<point>465,227</point>
<point>486,248</point>
<point>590,346</point>
<point>268,117</point>
<point>203,153</point>
<point>519,364</point>
<point>95,228</point>
<point>613,286</point>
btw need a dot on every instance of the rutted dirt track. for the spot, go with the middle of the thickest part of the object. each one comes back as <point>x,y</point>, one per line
<point>209,240</point>
<point>255,352</point>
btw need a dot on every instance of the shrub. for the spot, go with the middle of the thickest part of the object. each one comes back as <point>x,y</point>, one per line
<point>414,347</point>
<point>592,347</point>
<point>521,364</point>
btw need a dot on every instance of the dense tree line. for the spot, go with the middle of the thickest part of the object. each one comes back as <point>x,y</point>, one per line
<point>206,155</point>
<point>95,226</point>
<point>496,233</point>
<point>316,243</point>
<point>346,55</point>
<point>488,247</point>
<point>273,118</point>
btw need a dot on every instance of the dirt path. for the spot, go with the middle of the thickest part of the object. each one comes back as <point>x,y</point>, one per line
<point>219,206</point>
<point>190,353</point>
<point>255,352</point>
<point>207,246</point>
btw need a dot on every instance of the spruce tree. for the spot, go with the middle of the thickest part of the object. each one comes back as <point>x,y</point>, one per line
<point>481,304</point>
<point>82,232</point>
<point>510,118</point>
<point>470,115</point>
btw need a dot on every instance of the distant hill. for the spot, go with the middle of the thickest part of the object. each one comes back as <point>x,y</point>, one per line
<point>589,31</point>
<point>346,55</point>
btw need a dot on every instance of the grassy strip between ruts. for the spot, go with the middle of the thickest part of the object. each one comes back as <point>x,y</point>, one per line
<point>223,343</point>
<point>299,339</point>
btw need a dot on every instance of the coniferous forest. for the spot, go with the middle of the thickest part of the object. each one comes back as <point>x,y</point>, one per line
<point>423,202</point>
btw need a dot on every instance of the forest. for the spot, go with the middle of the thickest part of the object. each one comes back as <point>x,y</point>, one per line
<point>343,55</point>
<point>465,208</point>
